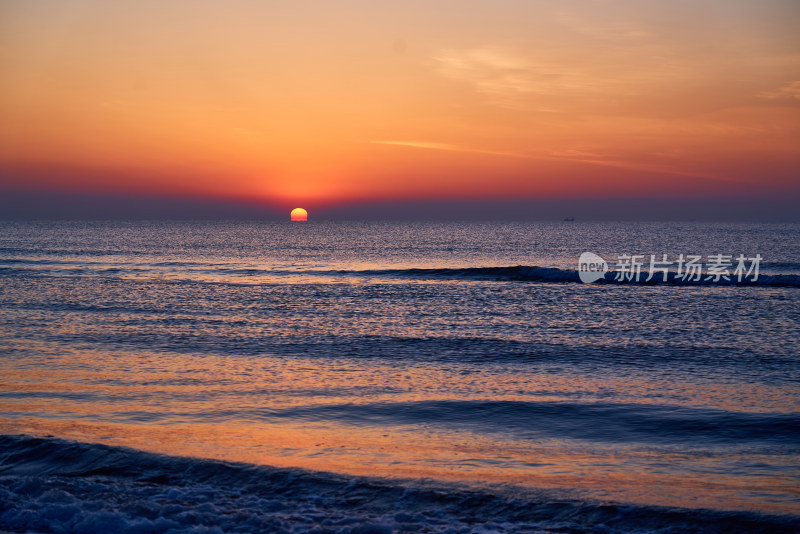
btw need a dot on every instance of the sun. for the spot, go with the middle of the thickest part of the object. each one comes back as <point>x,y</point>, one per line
<point>299,214</point>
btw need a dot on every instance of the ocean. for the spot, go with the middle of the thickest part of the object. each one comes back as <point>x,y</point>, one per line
<point>398,377</point>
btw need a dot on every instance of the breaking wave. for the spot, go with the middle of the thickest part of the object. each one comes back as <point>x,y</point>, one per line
<point>532,273</point>
<point>52,485</point>
<point>216,272</point>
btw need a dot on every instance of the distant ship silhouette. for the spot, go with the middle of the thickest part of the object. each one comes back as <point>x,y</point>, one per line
<point>569,219</point>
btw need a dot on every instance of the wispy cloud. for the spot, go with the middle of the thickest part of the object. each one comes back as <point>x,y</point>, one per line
<point>539,80</point>
<point>491,71</point>
<point>575,156</point>
<point>450,148</point>
<point>623,32</point>
<point>791,91</point>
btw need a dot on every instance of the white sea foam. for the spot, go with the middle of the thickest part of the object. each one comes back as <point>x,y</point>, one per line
<point>50,485</point>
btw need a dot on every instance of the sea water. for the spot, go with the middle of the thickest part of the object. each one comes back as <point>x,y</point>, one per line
<point>168,376</point>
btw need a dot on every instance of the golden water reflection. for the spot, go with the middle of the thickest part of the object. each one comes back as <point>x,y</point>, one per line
<point>223,407</point>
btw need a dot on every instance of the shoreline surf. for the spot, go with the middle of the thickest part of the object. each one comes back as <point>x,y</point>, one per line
<point>58,485</point>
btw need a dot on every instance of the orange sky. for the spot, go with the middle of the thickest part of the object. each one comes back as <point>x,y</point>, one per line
<point>318,102</point>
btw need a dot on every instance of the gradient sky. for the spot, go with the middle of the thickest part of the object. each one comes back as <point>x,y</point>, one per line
<point>314,103</point>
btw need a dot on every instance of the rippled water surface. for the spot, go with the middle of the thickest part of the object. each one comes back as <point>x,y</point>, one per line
<point>462,353</point>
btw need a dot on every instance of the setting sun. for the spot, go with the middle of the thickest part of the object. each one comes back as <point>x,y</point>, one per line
<point>299,214</point>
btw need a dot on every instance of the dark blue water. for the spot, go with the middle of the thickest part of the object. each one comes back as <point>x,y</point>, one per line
<point>467,355</point>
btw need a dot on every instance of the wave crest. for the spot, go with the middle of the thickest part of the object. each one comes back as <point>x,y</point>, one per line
<point>52,485</point>
<point>533,273</point>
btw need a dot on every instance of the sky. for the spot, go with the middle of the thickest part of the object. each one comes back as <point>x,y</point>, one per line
<point>331,104</point>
